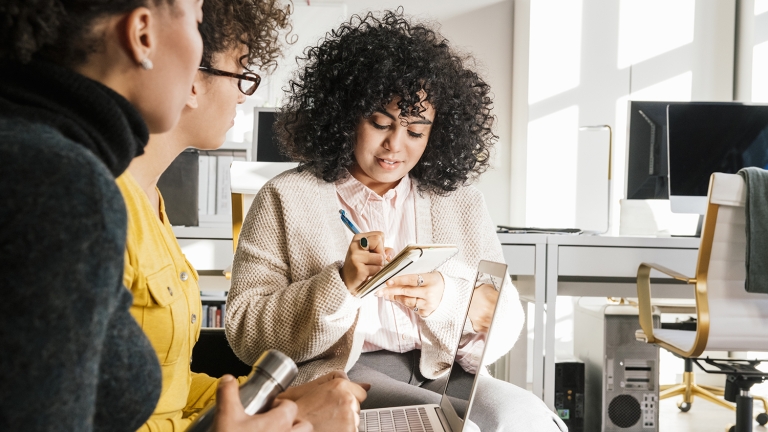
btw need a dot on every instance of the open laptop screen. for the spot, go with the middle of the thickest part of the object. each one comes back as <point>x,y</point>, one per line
<point>460,387</point>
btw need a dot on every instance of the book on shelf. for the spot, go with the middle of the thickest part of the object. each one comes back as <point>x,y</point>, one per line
<point>202,185</point>
<point>202,178</point>
<point>214,196</point>
<point>214,315</point>
<point>211,177</point>
<point>222,184</point>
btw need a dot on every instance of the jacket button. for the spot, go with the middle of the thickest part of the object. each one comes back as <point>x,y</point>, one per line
<point>170,291</point>
<point>183,276</point>
<point>194,318</point>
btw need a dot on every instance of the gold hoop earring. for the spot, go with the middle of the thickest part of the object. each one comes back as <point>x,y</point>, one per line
<point>146,64</point>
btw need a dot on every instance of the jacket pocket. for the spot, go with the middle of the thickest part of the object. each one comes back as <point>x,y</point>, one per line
<point>165,318</point>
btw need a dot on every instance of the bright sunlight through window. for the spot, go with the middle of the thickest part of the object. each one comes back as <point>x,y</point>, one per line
<point>645,33</point>
<point>555,48</point>
<point>551,187</point>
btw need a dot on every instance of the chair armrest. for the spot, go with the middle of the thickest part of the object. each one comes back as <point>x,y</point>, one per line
<point>644,294</point>
<point>666,271</point>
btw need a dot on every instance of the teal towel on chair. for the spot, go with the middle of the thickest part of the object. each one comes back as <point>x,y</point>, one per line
<point>756,211</point>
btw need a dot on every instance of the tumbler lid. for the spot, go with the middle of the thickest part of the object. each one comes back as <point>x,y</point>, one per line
<point>279,366</point>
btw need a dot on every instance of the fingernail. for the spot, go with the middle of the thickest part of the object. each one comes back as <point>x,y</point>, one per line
<point>227,378</point>
<point>389,283</point>
<point>378,293</point>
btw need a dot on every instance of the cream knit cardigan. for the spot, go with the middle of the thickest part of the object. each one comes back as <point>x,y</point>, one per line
<point>287,293</point>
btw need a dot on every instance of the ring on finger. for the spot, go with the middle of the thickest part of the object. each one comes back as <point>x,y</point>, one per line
<point>364,243</point>
<point>416,305</point>
<point>419,280</point>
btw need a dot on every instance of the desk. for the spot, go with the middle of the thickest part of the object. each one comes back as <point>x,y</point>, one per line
<point>586,266</point>
<point>544,266</point>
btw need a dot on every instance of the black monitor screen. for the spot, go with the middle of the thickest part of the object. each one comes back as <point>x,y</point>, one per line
<point>647,150</point>
<point>265,141</point>
<point>705,138</point>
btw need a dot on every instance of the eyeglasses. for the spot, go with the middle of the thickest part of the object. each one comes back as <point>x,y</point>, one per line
<point>247,82</point>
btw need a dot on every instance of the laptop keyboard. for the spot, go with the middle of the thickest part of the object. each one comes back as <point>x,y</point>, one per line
<point>396,420</point>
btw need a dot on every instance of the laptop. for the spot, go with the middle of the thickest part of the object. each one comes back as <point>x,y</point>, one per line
<point>453,413</point>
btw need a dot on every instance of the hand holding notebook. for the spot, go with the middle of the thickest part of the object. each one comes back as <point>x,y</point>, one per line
<point>413,259</point>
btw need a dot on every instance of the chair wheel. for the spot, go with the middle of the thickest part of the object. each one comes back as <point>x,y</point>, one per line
<point>762,418</point>
<point>684,407</point>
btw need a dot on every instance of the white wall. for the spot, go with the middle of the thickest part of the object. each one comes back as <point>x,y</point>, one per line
<point>752,59</point>
<point>760,52</point>
<point>586,59</point>
<point>486,33</point>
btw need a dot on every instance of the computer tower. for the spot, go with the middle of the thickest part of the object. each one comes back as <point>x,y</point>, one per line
<point>621,374</point>
<point>569,393</point>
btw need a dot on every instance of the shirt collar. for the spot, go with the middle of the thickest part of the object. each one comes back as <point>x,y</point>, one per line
<point>357,195</point>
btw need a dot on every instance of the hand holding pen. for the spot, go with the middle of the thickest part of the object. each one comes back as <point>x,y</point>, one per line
<point>366,255</point>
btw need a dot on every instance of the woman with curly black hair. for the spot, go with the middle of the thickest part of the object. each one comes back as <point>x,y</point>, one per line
<point>391,125</point>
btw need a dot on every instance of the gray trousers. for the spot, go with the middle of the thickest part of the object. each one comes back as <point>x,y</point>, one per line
<point>498,406</point>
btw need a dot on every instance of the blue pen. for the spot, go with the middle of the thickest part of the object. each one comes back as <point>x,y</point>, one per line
<point>348,223</point>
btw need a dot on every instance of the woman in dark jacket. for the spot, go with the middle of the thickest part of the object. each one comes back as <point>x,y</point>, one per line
<point>82,84</point>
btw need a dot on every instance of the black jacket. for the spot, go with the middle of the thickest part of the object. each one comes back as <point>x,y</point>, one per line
<point>71,356</point>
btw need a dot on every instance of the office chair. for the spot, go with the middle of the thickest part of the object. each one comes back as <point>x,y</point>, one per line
<point>246,178</point>
<point>728,317</point>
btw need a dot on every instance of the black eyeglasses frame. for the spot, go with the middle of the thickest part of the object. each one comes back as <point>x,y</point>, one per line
<point>248,76</point>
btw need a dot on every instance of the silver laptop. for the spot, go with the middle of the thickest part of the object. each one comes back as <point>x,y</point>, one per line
<point>453,413</point>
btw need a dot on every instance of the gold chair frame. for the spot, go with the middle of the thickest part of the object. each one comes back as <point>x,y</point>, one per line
<point>238,215</point>
<point>688,388</point>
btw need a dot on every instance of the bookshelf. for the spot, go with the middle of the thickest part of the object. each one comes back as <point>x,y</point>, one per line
<point>208,246</point>
<point>214,308</point>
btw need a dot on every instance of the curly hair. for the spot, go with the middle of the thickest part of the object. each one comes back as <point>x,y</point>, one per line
<point>257,24</point>
<point>363,66</point>
<point>58,30</point>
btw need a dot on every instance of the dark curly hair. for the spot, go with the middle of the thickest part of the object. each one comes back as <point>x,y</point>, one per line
<point>257,24</point>
<point>364,65</point>
<point>58,30</point>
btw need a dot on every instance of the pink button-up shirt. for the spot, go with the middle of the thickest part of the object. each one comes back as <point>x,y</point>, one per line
<point>388,325</point>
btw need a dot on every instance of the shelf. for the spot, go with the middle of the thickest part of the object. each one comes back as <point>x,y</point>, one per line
<point>203,232</point>
<point>231,145</point>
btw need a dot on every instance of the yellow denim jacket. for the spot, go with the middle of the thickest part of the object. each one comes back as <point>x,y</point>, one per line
<point>166,304</point>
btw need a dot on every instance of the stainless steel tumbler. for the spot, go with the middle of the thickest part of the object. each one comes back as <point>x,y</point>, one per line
<point>272,373</point>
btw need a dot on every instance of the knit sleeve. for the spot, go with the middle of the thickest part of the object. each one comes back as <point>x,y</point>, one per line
<point>62,239</point>
<point>266,309</point>
<point>463,219</point>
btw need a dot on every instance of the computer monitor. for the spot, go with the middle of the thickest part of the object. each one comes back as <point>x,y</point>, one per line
<point>647,150</point>
<point>704,138</point>
<point>265,147</point>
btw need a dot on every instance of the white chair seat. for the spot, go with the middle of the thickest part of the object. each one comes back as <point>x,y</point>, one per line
<point>682,339</point>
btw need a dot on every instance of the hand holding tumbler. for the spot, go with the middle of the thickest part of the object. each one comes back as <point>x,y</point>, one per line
<point>272,374</point>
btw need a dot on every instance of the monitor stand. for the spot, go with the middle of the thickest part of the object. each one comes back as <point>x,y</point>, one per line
<point>699,226</point>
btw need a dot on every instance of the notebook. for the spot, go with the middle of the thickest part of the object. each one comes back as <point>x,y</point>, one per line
<point>454,414</point>
<point>413,259</point>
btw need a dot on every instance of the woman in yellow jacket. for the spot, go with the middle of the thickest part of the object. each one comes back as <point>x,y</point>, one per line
<point>166,296</point>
